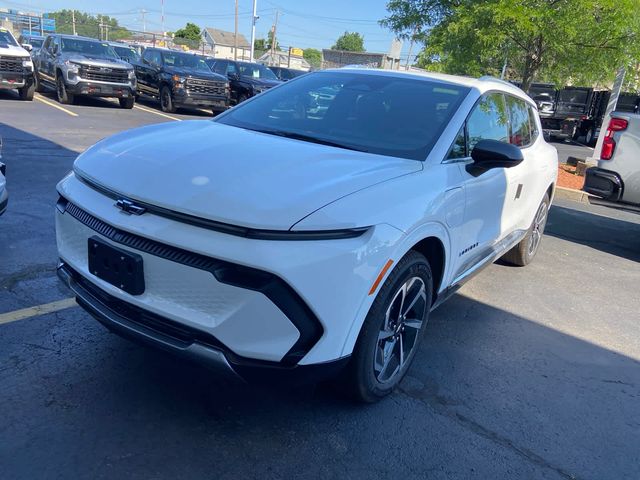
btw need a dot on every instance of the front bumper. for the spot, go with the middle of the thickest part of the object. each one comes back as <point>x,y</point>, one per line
<point>202,279</point>
<point>100,89</point>
<point>186,99</point>
<point>11,80</point>
<point>603,183</point>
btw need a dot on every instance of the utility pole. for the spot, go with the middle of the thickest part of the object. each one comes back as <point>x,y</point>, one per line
<point>413,35</point>
<point>162,18</point>
<point>235,36</point>
<point>41,25</point>
<point>73,21</point>
<point>273,36</point>
<point>254,18</point>
<point>143,12</point>
<point>100,25</point>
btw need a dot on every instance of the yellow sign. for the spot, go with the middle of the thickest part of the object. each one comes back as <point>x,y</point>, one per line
<point>296,52</point>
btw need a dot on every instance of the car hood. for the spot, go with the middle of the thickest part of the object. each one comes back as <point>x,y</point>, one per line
<point>195,73</point>
<point>232,175</point>
<point>94,61</point>
<point>259,82</point>
<point>7,50</point>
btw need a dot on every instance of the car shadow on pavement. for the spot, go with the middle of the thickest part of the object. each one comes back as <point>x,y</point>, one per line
<point>607,234</point>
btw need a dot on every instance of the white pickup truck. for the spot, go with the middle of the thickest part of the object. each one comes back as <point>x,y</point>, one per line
<point>16,66</point>
<point>616,179</point>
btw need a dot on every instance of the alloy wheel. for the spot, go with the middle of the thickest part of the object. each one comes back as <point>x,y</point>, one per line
<point>538,228</point>
<point>398,337</point>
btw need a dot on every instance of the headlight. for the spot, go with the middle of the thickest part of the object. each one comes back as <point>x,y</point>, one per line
<point>132,74</point>
<point>71,66</point>
<point>178,80</point>
<point>27,63</point>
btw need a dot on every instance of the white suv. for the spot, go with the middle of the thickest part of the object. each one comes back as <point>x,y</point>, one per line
<point>299,239</point>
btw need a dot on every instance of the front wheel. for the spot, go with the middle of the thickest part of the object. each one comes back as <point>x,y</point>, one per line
<point>64,97</point>
<point>26,92</point>
<point>126,103</point>
<point>392,331</point>
<point>166,100</point>
<point>522,254</point>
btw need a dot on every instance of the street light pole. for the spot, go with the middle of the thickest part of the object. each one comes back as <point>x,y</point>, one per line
<point>235,36</point>
<point>253,29</point>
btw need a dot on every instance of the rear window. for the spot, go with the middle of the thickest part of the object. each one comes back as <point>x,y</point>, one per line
<point>381,114</point>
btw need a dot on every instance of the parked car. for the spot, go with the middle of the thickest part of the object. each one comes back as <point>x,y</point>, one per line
<point>16,66</point>
<point>31,43</point>
<point>125,52</point>
<point>246,79</point>
<point>277,244</point>
<point>79,66</point>
<point>616,179</point>
<point>286,74</point>
<point>180,79</point>
<point>4,195</point>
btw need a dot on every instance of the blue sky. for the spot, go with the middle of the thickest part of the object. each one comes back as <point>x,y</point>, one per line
<point>302,24</point>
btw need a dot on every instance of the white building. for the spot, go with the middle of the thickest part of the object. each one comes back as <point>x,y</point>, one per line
<point>221,44</point>
<point>283,59</point>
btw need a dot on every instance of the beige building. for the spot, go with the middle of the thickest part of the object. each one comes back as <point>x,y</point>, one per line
<point>221,44</point>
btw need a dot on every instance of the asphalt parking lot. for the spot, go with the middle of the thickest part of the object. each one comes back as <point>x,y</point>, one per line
<point>526,373</point>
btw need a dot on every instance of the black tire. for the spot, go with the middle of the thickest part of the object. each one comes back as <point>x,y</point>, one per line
<point>589,137</point>
<point>38,85</point>
<point>524,252</point>
<point>64,97</point>
<point>166,100</point>
<point>127,103</point>
<point>27,92</point>
<point>360,379</point>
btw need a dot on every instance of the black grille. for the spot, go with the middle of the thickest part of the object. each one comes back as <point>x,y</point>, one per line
<point>11,64</point>
<point>206,87</point>
<point>100,74</point>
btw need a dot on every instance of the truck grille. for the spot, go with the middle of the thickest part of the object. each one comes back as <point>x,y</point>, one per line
<point>206,87</point>
<point>99,74</point>
<point>11,64</point>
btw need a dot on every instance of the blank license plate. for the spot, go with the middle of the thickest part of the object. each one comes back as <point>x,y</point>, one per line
<point>116,266</point>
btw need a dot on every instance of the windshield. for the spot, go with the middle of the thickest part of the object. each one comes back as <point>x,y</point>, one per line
<point>184,60</point>
<point>35,42</point>
<point>6,37</point>
<point>88,48</point>
<point>382,114</point>
<point>126,53</point>
<point>255,70</point>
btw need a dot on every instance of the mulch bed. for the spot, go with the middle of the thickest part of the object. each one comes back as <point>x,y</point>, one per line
<point>567,177</point>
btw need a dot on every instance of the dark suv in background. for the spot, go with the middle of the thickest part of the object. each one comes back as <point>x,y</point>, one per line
<point>245,78</point>
<point>286,74</point>
<point>180,79</point>
<point>125,52</point>
<point>75,65</point>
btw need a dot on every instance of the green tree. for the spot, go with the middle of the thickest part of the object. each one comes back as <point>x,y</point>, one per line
<point>350,41</point>
<point>88,26</point>
<point>190,32</point>
<point>563,41</point>
<point>313,56</point>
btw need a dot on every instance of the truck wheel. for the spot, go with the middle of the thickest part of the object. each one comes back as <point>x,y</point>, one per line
<point>126,103</point>
<point>26,92</point>
<point>588,138</point>
<point>392,331</point>
<point>38,86</point>
<point>522,254</point>
<point>166,100</point>
<point>64,97</point>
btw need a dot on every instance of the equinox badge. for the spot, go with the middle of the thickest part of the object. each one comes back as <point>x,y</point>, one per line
<point>130,208</point>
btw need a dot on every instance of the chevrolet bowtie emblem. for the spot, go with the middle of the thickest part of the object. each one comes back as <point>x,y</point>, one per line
<point>127,206</point>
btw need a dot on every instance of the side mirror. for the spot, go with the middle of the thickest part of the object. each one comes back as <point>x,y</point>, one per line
<point>233,76</point>
<point>494,154</point>
<point>28,47</point>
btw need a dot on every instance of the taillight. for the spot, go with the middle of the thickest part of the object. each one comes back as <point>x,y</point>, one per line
<point>609,144</point>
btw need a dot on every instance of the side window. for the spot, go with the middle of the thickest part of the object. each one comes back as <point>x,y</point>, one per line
<point>533,122</point>
<point>458,149</point>
<point>520,134</point>
<point>57,46</point>
<point>220,67</point>
<point>146,56</point>
<point>231,68</point>
<point>47,44</point>
<point>488,121</point>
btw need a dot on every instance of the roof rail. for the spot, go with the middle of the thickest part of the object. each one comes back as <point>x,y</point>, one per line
<point>495,79</point>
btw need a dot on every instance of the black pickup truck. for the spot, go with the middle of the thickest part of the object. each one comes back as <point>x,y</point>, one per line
<point>180,79</point>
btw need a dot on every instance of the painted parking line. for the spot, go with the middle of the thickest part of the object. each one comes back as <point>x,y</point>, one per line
<point>148,110</point>
<point>37,310</point>
<point>54,105</point>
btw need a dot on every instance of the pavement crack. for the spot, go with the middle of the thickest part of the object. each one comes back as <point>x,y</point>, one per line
<point>29,273</point>
<point>436,403</point>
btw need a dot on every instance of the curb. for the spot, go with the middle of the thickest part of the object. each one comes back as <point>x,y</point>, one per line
<point>572,194</point>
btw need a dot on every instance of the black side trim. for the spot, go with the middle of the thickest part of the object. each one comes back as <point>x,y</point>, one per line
<point>270,285</point>
<point>145,327</point>
<point>254,233</point>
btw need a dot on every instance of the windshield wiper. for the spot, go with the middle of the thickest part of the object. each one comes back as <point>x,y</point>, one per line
<point>308,138</point>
